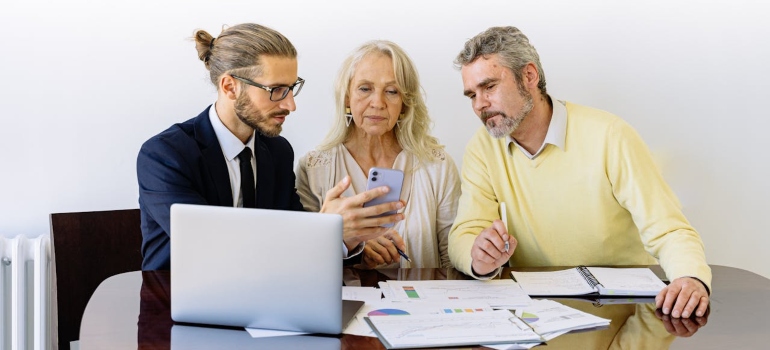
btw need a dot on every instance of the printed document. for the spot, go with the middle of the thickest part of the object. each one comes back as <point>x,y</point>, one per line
<point>456,329</point>
<point>547,316</point>
<point>497,293</point>
<point>358,325</point>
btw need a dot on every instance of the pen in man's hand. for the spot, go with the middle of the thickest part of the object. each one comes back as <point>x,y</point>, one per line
<point>504,216</point>
<point>401,252</point>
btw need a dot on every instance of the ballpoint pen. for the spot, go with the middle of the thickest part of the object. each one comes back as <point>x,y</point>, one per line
<point>401,252</point>
<point>504,216</point>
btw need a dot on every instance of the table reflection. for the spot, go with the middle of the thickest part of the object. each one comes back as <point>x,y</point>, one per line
<point>683,327</point>
<point>192,337</point>
<point>633,325</point>
<point>155,311</point>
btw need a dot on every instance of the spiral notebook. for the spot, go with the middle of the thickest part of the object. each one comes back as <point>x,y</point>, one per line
<point>590,281</point>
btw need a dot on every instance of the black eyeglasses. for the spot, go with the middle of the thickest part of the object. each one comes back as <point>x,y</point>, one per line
<point>277,93</point>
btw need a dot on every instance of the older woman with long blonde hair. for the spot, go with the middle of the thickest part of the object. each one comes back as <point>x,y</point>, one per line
<point>381,121</point>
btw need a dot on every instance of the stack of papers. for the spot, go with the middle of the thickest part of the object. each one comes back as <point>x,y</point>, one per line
<point>455,313</point>
<point>431,324</point>
<point>431,313</point>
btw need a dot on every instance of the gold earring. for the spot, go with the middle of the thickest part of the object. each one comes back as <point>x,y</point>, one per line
<point>348,116</point>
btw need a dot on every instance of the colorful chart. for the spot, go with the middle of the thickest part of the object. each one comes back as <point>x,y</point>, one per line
<point>529,318</point>
<point>457,311</point>
<point>387,312</point>
<point>411,293</point>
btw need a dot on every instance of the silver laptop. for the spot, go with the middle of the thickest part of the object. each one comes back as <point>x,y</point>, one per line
<point>257,268</point>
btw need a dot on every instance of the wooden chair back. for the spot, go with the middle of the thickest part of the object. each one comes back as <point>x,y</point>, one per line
<point>89,247</point>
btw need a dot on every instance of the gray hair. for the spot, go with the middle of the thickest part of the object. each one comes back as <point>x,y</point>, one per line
<point>413,132</point>
<point>238,49</point>
<point>513,47</point>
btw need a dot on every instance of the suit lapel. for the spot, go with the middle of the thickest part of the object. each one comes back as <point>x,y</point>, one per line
<point>213,158</point>
<point>265,173</point>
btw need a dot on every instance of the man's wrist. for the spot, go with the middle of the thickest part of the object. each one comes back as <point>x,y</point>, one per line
<point>355,250</point>
<point>708,291</point>
<point>483,275</point>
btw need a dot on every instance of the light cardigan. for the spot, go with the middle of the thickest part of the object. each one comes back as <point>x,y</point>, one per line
<point>430,191</point>
<point>599,201</point>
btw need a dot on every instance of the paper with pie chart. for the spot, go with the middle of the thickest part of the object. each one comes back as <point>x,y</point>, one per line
<point>547,316</point>
<point>358,326</point>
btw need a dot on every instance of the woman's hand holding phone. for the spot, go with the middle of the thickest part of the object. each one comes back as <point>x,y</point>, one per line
<point>361,223</point>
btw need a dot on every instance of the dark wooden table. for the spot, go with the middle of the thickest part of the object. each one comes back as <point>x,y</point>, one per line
<point>132,311</point>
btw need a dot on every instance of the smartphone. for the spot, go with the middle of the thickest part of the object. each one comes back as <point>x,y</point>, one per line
<point>394,179</point>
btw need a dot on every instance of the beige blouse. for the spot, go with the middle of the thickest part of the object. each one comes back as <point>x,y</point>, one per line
<point>430,192</point>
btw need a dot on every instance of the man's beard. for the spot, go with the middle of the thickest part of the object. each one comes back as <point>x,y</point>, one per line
<point>507,125</point>
<point>253,117</point>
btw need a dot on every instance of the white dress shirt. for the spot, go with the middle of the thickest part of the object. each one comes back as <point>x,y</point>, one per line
<point>557,131</point>
<point>231,148</point>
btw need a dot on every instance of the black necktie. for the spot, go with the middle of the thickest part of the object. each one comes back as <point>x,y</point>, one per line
<point>247,179</point>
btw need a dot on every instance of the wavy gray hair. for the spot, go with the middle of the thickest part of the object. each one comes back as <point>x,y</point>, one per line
<point>513,47</point>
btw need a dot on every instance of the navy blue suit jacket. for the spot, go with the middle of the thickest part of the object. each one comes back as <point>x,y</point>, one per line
<point>185,164</point>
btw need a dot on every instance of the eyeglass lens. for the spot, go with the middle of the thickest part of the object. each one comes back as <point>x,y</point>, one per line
<point>280,92</point>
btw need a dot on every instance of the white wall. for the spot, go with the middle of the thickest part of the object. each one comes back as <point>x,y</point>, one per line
<point>84,83</point>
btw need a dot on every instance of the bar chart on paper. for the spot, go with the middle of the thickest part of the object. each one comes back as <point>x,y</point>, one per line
<point>460,311</point>
<point>497,293</point>
<point>410,292</point>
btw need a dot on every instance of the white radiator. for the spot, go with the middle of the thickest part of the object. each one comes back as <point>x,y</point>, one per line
<point>24,284</point>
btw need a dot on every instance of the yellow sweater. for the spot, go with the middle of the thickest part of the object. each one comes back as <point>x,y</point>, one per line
<point>599,201</point>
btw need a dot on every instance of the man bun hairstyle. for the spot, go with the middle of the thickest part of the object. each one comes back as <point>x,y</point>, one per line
<point>238,49</point>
